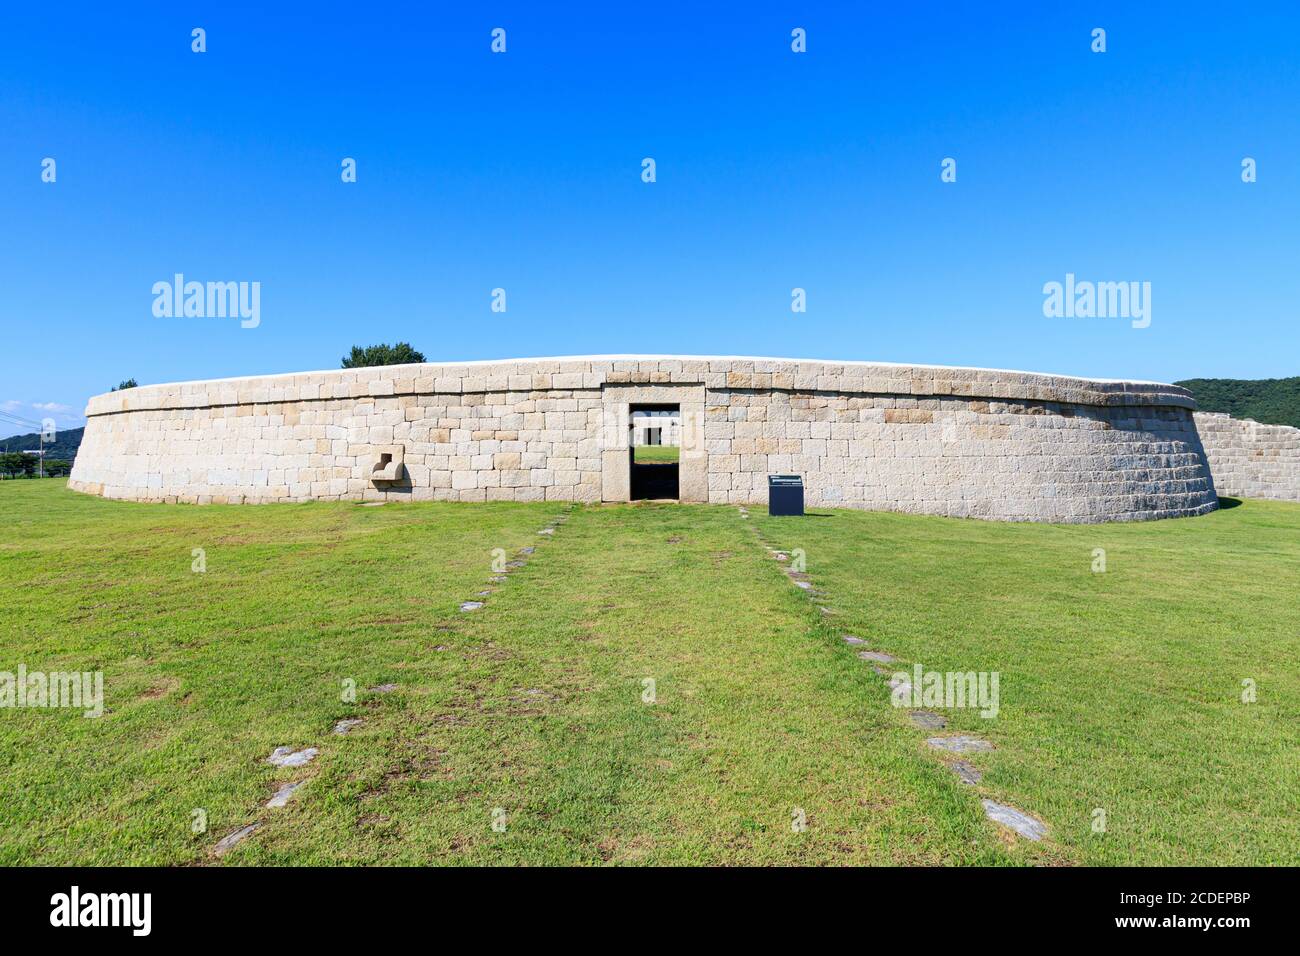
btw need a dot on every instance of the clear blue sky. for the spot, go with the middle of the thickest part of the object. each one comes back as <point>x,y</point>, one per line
<point>522,171</point>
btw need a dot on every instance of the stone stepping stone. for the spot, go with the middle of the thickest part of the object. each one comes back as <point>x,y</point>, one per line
<point>1016,820</point>
<point>877,656</point>
<point>966,772</point>
<point>516,564</point>
<point>898,680</point>
<point>825,610</point>
<point>343,726</point>
<point>928,720</point>
<point>226,843</point>
<point>528,550</point>
<point>780,555</point>
<point>485,593</point>
<point>282,795</point>
<point>288,757</point>
<point>547,531</point>
<point>851,639</point>
<point>807,586</point>
<point>960,744</point>
<point>882,671</point>
<point>471,605</point>
<point>383,689</point>
<point>498,579</point>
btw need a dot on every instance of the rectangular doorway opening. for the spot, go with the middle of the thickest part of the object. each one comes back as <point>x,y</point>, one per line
<point>654,449</point>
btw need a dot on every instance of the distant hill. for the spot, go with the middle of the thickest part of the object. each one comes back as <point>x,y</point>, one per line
<point>64,448</point>
<point>1274,401</point>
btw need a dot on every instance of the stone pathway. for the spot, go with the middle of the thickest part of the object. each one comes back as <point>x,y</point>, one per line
<point>1022,823</point>
<point>283,794</point>
<point>226,843</point>
<point>880,656</point>
<point>519,561</point>
<point>960,744</point>
<point>928,720</point>
<point>1016,820</point>
<point>288,757</point>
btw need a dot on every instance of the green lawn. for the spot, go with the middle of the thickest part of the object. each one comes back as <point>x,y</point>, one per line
<point>655,454</point>
<point>1118,690</point>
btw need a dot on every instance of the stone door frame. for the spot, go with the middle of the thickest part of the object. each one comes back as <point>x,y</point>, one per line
<point>616,423</point>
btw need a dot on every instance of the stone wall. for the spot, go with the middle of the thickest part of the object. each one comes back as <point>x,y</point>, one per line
<point>962,442</point>
<point>1250,460</point>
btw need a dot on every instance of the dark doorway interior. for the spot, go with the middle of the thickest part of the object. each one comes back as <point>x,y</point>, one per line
<point>651,479</point>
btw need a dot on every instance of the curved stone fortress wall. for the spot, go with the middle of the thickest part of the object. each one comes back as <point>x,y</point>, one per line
<point>1249,459</point>
<point>948,441</point>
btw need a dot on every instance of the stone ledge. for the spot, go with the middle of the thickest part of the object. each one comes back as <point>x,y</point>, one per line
<point>594,372</point>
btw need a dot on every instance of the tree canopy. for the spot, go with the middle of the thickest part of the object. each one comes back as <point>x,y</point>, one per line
<point>382,354</point>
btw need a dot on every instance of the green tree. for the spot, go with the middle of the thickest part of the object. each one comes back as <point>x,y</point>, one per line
<point>129,383</point>
<point>15,463</point>
<point>399,354</point>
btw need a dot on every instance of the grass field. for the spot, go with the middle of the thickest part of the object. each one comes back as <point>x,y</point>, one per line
<point>648,687</point>
<point>655,454</point>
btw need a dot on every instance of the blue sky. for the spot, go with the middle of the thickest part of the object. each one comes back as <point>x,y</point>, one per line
<point>522,171</point>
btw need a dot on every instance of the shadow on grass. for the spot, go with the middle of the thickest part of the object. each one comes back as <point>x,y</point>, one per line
<point>1229,502</point>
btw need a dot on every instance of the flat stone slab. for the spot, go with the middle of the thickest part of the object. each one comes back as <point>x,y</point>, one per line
<point>226,843</point>
<point>471,605</point>
<point>781,556</point>
<point>343,726</point>
<point>485,593</point>
<point>898,680</point>
<point>498,579</point>
<point>528,550</point>
<point>547,531</point>
<point>928,720</point>
<point>516,564</point>
<point>383,689</point>
<point>966,772</point>
<point>283,794</point>
<point>373,504</point>
<point>850,639</point>
<point>877,656</point>
<point>288,757</point>
<point>960,744</point>
<point>1014,819</point>
<point>807,586</point>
